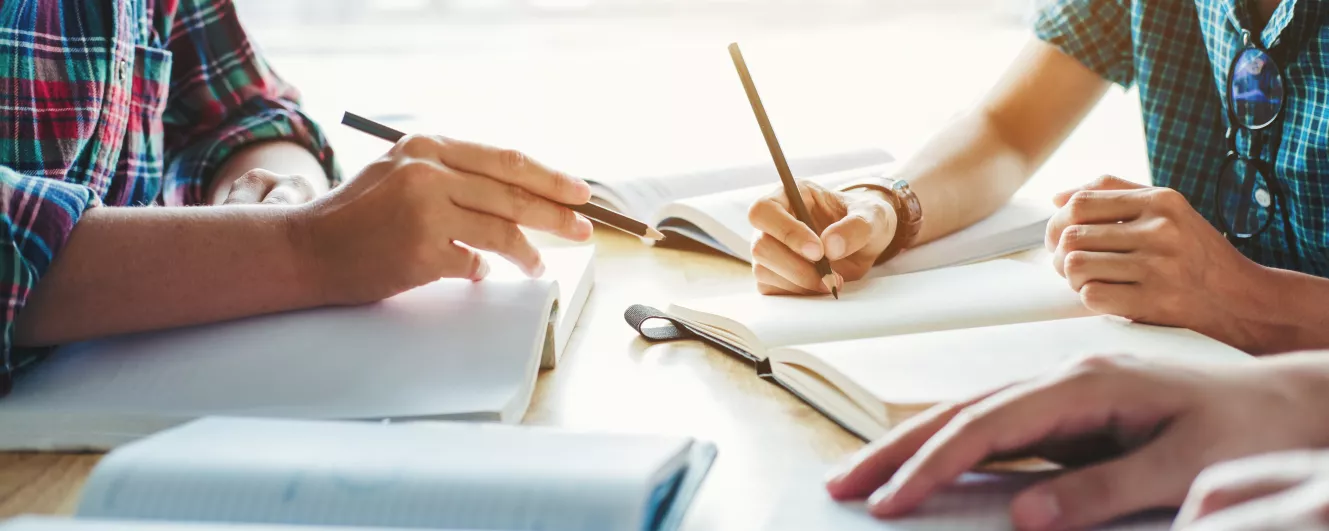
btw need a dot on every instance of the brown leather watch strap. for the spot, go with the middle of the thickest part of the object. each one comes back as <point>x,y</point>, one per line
<point>908,211</point>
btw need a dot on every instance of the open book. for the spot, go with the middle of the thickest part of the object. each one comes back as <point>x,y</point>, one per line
<point>894,346</point>
<point>419,475</point>
<point>711,208</point>
<point>453,349</point>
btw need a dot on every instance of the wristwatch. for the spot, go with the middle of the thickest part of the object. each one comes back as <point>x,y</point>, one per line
<point>908,210</point>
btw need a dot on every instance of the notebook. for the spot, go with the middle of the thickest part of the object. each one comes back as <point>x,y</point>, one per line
<point>892,347</point>
<point>711,207</point>
<point>419,475</point>
<point>453,349</point>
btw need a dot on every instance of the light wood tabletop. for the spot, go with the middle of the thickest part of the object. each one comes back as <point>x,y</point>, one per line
<point>605,110</point>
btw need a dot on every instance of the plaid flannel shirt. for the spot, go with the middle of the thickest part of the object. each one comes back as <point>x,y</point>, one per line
<point>1177,53</point>
<point>124,103</point>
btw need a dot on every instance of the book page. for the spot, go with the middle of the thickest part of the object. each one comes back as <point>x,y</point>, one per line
<point>418,475</point>
<point>451,349</point>
<point>49,523</point>
<point>644,197</point>
<point>926,369</point>
<point>989,293</point>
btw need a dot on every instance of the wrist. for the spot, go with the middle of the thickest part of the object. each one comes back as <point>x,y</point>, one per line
<point>1264,321</point>
<point>904,206</point>
<point>298,226</point>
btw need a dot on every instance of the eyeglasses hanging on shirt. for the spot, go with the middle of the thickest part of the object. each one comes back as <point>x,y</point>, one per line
<point>1249,194</point>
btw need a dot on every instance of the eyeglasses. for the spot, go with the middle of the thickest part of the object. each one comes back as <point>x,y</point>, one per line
<point>1249,194</point>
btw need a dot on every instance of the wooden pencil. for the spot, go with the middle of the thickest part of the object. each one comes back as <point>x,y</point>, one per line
<point>782,165</point>
<point>604,216</point>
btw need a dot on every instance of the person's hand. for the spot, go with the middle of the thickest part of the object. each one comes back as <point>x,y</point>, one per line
<point>1145,429</point>
<point>415,215</point>
<point>1283,490</point>
<point>1145,254</point>
<point>859,226</point>
<point>264,187</point>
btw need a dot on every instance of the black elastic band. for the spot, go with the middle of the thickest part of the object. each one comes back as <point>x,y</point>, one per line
<point>666,328</point>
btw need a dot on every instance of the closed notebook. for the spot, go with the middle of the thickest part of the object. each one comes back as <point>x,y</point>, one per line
<point>894,346</point>
<point>423,475</point>
<point>711,207</point>
<point>453,349</point>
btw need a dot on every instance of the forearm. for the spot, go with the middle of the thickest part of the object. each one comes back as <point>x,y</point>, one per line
<point>1283,310</point>
<point>135,269</point>
<point>963,175</point>
<point>282,157</point>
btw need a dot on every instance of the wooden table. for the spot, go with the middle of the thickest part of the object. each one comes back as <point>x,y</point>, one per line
<point>610,379</point>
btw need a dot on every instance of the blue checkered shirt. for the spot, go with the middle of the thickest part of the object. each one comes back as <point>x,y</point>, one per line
<point>1177,53</point>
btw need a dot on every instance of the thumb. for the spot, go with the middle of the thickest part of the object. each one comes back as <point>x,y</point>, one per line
<point>1106,182</point>
<point>1149,478</point>
<point>867,225</point>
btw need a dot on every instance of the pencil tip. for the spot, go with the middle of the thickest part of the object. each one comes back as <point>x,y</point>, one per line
<point>835,292</point>
<point>654,235</point>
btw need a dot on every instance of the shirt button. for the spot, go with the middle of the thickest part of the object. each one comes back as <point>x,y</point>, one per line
<point>1262,198</point>
<point>122,69</point>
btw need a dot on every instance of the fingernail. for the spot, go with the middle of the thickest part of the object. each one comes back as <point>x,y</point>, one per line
<point>539,270</point>
<point>482,271</point>
<point>880,500</point>
<point>812,251</point>
<point>837,474</point>
<point>834,247</point>
<point>839,282</point>
<point>1035,509</point>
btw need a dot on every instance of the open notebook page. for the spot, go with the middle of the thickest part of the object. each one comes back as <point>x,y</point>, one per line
<point>47,523</point>
<point>976,501</point>
<point>645,197</point>
<point>926,369</point>
<point>988,293</point>
<point>436,476</point>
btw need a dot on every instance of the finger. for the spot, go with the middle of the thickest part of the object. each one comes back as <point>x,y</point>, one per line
<point>783,262</point>
<point>855,231</point>
<point>876,463</point>
<point>1302,507</point>
<point>1241,480</point>
<point>1083,267</point>
<point>1122,300</point>
<point>769,283</point>
<point>519,206</point>
<point>773,218</point>
<point>1106,182</point>
<point>283,194</point>
<point>1093,208</point>
<point>300,188</point>
<point>1114,237</point>
<point>1152,477</point>
<point>515,168</point>
<point>1021,417</point>
<point>250,188</point>
<point>470,264</point>
<point>501,236</point>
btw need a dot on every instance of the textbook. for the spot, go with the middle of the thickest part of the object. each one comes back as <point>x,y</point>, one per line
<point>453,349</point>
<point>892,347</point>
<point>711,208</point>
<point>332,475</point>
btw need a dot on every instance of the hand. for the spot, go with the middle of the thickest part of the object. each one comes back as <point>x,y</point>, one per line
<point>1143,253</point>
<point>264,187</point>
<point>859,226</point>
<point>402,221</point>
<point>1285,490</point>
<point>1148,428</point>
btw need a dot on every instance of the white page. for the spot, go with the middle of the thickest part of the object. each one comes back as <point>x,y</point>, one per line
<point>644,197</point>
<point>573,268</point>
<point>988,293</point>
<point>923,369</point>
<point>422,475</point>
<point>977,501</point>
<point>452,349</point>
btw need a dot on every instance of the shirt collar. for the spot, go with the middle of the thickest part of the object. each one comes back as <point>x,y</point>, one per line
<point>1278,21</point>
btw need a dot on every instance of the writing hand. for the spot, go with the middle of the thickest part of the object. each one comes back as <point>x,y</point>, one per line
<point>859,226</point>
<point>403,220</point>
<point>1143,430</point>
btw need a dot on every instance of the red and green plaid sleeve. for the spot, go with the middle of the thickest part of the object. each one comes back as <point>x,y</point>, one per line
<point>223,97</point>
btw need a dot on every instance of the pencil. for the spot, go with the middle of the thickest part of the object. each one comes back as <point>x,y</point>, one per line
<point>782,165</point>
<point>593,211</point>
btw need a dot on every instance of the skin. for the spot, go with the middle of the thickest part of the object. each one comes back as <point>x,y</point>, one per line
<point>1282,490</point>
<point>409,218</point>
<point>1134,433</point>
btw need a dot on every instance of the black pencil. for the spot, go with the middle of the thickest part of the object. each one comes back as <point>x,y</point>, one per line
<point>593,211</point>
<point>782,165</point>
